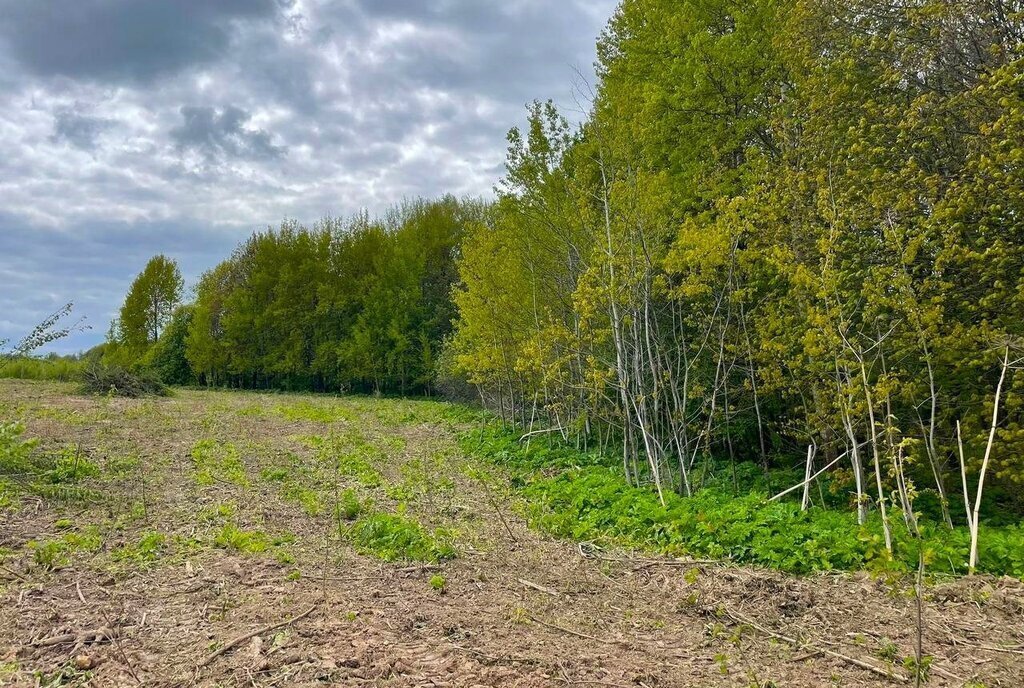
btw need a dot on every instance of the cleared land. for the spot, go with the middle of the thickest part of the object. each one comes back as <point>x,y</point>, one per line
<point>167,529</point>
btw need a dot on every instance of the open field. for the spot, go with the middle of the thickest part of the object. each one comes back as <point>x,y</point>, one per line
<point>162,530</point>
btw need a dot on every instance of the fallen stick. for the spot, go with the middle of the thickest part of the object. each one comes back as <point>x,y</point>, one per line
<point>13,573</point>
<point>260,631</point>
<point>812,648</point>
<point>538,588</point>
<point>85,637</point>
<point>570,631</point>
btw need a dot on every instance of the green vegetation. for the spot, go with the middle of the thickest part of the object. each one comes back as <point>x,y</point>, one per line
<point>230,536</point>
<point>359,305</point>
<point>149,305</point>
<point>52,554</point>
<point>784,241</point>
<point>149,547</point>
<point>394,537</point>
<point>587,497</point>
<point>216,461</point>
<point>58,368</point>
<point>782,225</point>
<point>24,469</point>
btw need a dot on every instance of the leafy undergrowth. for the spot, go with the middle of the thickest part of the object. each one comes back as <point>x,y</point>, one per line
<point>580,496</point>
<point>395,537</point>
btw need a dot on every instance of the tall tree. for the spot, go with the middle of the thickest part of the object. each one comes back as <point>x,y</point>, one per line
<point>150,303</point>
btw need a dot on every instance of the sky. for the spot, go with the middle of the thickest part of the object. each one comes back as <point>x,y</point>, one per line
<point>136,127</point>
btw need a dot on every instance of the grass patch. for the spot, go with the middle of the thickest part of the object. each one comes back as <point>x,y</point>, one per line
<point>53,554</point>
<point>293,487</point>
<point>215,461</point>
<point>350,454</point>
<point>148,549</point>
<point>231,537</point>
<point>315,413</point>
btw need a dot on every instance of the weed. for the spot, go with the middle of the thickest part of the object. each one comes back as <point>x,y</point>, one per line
<point>349,506</point>
<point>924,669</point>
<point>314,413</point>
<point>149,547</point>
<point>438,582</point>
<point>70,467</point>
<point>519,615</point>
<point>299,494</point>
<point>48,555</point>
<point>274,475</point>
<point>218,462</point>
<point>230,536</point>
<point>53,554</point>
<point>218,512</point>
<point>889,651</point>
<point>15,452</point>
<point>394,537</point>
<point>722,660</point>
<point>584,497</point>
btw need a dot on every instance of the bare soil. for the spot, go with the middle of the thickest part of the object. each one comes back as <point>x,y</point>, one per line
<point>517,608</point>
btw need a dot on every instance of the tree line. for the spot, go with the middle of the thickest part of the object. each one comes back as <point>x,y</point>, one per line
<point>789,230</point>
<point>355,305</point>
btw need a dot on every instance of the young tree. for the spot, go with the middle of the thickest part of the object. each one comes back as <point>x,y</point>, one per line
<point>150,303</point>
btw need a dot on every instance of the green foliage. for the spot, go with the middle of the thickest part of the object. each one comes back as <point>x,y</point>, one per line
<point>231,537</point>
<point>351,455</point>
<point>147,550</point>
<point>780,224</point>
<point>350,506</point>
<point>355,305</point>
<point>216,461</point>
<point>585,497</point>
<point>49,474</point>
<point>394,537</point>
<point>53,554</point>
<point>70,467</point>
<point>438,582</point>
<point>57,368</point>
<point>150,304</point>
<point>15,451</point>
<point>167,357</point>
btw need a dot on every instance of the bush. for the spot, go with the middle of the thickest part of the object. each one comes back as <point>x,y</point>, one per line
<point>116,381</point>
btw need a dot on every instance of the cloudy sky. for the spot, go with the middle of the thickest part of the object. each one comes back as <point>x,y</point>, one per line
<point>135,127</point>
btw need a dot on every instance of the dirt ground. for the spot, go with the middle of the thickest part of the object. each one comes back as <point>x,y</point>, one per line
<point>137,575</point>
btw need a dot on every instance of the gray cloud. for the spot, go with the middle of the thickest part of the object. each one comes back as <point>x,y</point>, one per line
<point>77,129</point>
<point>122,39</point>
<point>216,133</point>
<point>132,127</point>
